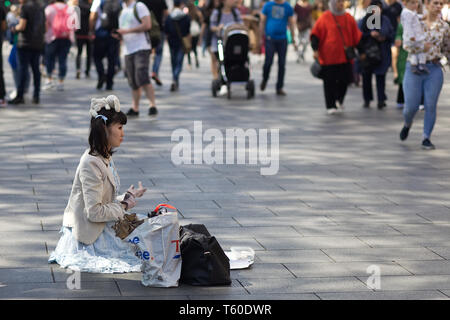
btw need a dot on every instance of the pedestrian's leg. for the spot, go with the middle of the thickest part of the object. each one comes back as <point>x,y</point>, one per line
<point>99,54</point>
<point>50,58</point>
<point>329,84</point>
<point>412,90</point>
<point>179,65</point>
<point>2,80</point>
<point>150,94</point>
<point>270,51</point>
<point>63,52</point>
<point>78,58</point>
<point>88,56</point>
<point>281,49</point>
<point>136,96</point>
<point>194,49</point>
<point>112,56</point>
<point>381,91</point>
<point>432,88</point>
<point>367,87</point>
<point>34,61</point>
<point>23,59</point>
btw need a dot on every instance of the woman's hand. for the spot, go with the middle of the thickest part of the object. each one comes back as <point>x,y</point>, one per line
<point>139,192</point>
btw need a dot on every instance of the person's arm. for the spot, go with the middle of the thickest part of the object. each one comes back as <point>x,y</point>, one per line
<point>144,26</point>
<point>292,27</point>
<point>92,185</point>
<point>262,24</point>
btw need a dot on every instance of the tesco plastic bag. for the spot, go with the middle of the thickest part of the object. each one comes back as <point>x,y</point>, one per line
<point>156,242</point>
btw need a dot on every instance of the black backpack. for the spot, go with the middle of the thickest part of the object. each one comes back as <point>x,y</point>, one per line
<point>110,14</point>
<point>203,261</point>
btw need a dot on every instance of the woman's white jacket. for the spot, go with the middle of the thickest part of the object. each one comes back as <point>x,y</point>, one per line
<point>92,200</point>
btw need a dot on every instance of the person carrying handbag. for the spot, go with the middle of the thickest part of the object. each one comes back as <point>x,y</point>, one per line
<point>177,28</point>
<point>333,38</point>
<point>376,55</point>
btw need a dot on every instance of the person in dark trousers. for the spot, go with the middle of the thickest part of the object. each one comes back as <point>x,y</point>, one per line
<point>328,42</point>
<point>160,10</point>
<point>104,19</point>
<point>176,27</point>
<point>2,81</point>
<point>276,16</point>
<point>83,38</point>
<point>383,36</point>
<point>31,29</point>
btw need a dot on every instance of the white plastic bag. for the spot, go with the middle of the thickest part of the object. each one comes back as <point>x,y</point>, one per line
<point>156,242</point>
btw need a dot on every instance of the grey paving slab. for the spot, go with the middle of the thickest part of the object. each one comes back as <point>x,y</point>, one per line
<point>310,243</point>
<point>292,256</point>
<point>25,275</point>
<point>272,296</point>
<point>303,285</point>
<point>433,267</point>
<point>382,254</point>
<point>394,295</point>
<point>343,269</point>
<point>413,282</point>
<point>135,288</point>
<point>58,290</point>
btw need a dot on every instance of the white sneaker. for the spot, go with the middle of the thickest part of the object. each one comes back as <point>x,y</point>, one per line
<point>340,106</point>
<point>421,107</point>
<point>48,85</point>
<point>223,90</point>
<point>332,111</point>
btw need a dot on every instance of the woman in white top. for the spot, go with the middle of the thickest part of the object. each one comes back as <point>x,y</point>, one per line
<point>428,86</point>
<point>88,242</point>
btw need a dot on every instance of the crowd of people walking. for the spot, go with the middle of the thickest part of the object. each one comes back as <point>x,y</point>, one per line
<point>352,42</point>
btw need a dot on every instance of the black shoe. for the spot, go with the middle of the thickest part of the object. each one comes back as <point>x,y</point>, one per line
<point>263,84</point>
<point>427,145</point>
<point>173,87</point>
<point>281,92</point>
<point>366,104</point>
<point>109,88</point>
<point>404,133</point>
<point>16,100</point>
<point>381,105</point>
<point>36,100</point>
<point>152,111</point>
<point>132,113</point>
<point>100,83</point>
<point>156,79</point>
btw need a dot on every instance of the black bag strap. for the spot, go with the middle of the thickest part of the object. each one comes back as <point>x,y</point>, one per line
<point>340,30</point>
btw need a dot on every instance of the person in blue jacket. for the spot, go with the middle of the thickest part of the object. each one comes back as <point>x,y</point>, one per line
<point>383,36</point>
<point>176,27</point>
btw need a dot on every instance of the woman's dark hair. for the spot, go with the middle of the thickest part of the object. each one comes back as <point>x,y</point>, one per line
<point>98,139</point>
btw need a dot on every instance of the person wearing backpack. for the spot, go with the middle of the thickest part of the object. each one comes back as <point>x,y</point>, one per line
<point>104,21</point>
<point>58,38</point>
<point>177,27</point>
<point>160,10</point>
<point>30,43</point>
<point>134,23</point>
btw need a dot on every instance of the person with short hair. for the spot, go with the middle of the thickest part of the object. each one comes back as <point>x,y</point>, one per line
<point>276,16</point>
<point>30,44</point>
<point>88,243</point>
<point>134,23</point>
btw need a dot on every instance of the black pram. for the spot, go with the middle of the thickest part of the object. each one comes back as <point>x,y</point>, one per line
<point>233,59</point>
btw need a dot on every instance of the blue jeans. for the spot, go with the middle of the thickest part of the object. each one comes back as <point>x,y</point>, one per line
<point>159,54</point>
<point>28,57</point>
<point>176,59</point>
<point>427,85</point>
<point>280,47</point>
<point>57,49</point>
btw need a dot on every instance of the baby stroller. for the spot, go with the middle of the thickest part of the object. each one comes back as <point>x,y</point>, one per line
<point>233,60</point>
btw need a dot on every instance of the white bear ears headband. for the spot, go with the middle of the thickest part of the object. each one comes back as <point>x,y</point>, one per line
<point>109,102</point>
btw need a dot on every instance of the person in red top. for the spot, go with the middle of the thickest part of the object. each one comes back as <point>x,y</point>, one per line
<point>332,33</point>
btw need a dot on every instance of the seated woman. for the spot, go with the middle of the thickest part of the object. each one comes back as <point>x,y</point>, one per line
<point>88,243</point>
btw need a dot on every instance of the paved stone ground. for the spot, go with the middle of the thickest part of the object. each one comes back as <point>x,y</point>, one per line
<point>348,193</point>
